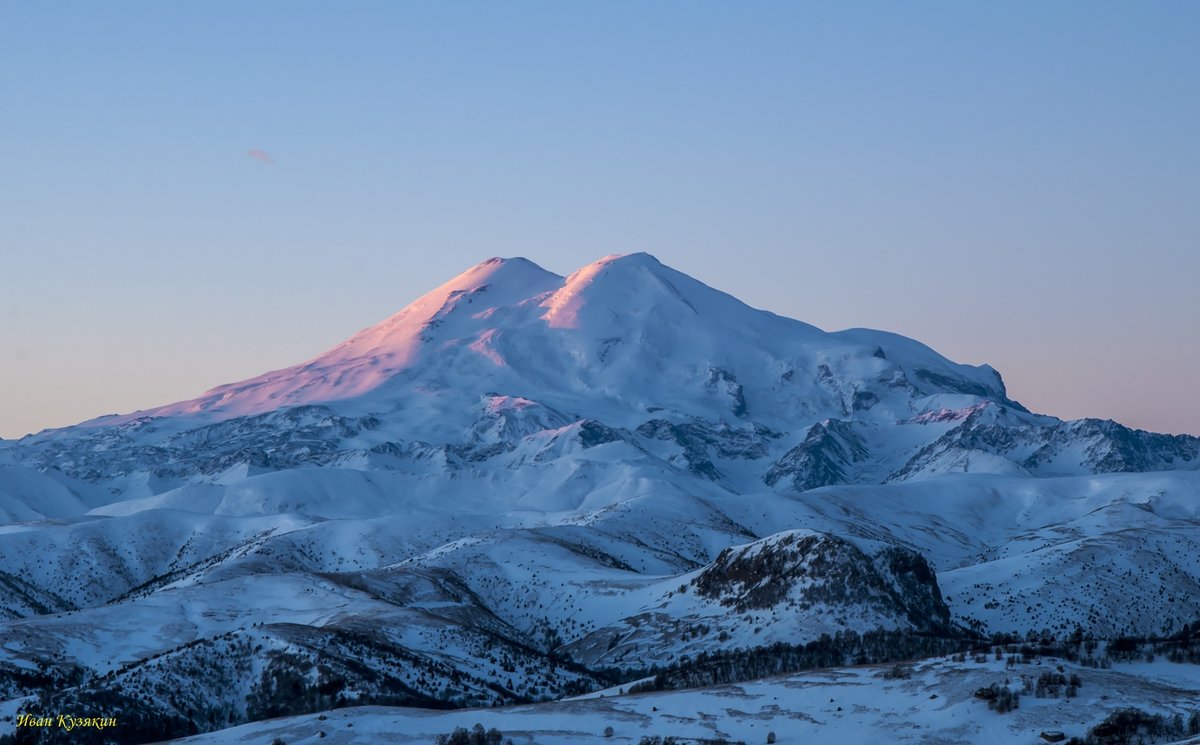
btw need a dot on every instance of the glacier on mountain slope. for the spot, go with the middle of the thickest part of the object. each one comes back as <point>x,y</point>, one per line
<point>521,478</point>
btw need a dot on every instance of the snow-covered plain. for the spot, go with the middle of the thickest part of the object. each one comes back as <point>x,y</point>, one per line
<point>522,484</point>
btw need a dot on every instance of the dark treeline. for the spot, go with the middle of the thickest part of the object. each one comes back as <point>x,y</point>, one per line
<point>1180,647</point>
<point>884,646</point>
<point>844,648</point>
<point>1136,727</point>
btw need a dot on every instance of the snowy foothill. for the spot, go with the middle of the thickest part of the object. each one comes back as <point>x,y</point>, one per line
<point>931,701</point>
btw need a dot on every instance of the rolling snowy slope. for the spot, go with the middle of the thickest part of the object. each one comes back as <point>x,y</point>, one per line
<point>934,704</point>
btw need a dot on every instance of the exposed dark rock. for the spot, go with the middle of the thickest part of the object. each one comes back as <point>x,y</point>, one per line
<point>826,457</point>
<point>701,440</point>
<point>828,570</point>
<point>723,381</point>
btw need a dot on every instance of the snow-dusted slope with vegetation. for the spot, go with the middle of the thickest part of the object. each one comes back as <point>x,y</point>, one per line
<point>929,702</point>
<point>523,487</point>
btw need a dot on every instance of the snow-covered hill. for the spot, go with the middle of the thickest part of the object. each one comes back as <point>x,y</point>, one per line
<point>930,702</point>
<point>524,486</point>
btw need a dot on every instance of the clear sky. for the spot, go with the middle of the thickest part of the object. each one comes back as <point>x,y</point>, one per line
<point>194,193</point>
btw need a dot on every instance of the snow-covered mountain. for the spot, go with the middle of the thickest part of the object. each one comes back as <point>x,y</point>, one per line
<point>524,486</point>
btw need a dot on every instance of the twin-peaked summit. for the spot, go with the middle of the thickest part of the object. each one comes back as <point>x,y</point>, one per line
<point>625,331</point>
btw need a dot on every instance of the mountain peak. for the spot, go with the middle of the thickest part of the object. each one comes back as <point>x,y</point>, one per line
<point>616,285</point>
<point>625,323</point>
<point>496,282</point>
<point>374,355</point>
<point>516,272</point>
<point>637,258</point>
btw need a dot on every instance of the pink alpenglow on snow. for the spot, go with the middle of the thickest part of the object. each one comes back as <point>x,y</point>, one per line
<point>467,307</point>
<point>623,322</point>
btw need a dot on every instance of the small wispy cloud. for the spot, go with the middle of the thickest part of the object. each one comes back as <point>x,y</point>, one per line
<point>261,156</point>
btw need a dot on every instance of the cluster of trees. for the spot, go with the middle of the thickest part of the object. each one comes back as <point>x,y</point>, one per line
<point>477,735</point>
<point>1182,647</point>
<point>846,647</point>
<point>1054,685</point>
<point>1136,727</point>
<point>1000,698</point>
<point>16,681</point>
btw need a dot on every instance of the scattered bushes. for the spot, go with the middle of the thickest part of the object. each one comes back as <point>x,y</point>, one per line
<point>476,736</point>
<point>1000,698</point>
<point>1055,685</point>
<point>1006,700</point>
<point>898,672</point>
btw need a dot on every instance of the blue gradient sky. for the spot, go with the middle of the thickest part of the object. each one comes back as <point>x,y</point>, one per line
<point>1014,183</point>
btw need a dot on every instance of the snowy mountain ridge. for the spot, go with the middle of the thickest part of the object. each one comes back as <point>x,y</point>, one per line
<point>522,485</point>
<point>509,322</point>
